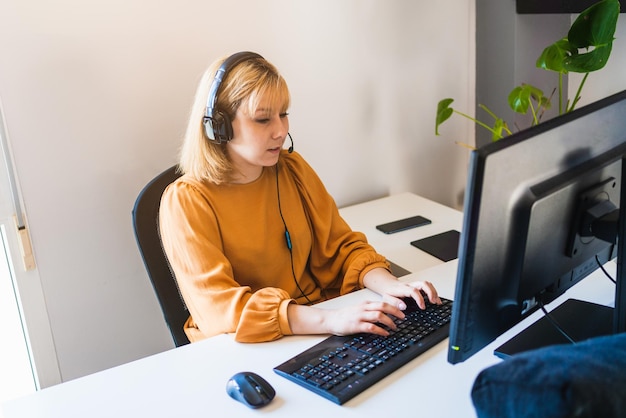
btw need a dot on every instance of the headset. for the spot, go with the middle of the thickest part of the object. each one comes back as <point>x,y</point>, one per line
<point>217,124</point>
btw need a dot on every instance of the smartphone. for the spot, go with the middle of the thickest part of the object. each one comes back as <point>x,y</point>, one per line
<point>403,224</point>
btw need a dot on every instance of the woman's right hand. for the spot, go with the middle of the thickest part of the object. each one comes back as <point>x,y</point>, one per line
<point>366,317</point>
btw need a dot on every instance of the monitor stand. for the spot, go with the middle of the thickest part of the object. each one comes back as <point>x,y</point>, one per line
<point>580,319</point>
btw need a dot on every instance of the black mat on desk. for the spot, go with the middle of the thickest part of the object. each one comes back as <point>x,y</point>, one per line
<point>397,270</point>
<point>444,246</point>
<point>580,319</point>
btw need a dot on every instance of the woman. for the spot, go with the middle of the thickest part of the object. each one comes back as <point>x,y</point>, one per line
<point>250,231</point>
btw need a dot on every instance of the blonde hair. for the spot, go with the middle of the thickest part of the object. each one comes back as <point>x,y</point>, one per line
<point>244,85</point>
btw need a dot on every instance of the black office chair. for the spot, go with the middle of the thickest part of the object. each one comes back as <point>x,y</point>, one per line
<point>146,224</point>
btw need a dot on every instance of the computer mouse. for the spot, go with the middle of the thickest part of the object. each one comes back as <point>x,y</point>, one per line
<point>250,389</point>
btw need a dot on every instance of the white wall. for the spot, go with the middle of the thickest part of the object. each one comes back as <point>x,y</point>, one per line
<point>96,95</point>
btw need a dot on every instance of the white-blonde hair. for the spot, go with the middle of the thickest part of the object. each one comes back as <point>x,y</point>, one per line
<point>244,85</point>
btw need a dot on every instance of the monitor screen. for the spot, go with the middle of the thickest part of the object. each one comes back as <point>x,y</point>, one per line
<point>541,212</point>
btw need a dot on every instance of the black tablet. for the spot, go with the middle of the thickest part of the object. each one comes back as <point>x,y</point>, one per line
<point>444,246</point>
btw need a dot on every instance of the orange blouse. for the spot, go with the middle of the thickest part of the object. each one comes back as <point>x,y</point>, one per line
<point>227,246</point>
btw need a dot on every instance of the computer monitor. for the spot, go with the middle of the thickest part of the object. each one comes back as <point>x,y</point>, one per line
<point>533,203</point>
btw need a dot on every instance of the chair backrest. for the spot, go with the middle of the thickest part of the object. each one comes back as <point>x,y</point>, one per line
<point>145,216</point>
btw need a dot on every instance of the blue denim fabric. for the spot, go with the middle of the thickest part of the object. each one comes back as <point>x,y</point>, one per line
<point>583,380</point>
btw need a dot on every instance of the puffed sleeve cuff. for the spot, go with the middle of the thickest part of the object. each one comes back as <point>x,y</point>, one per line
<point>283,319</point>
<point>264,317</point>
<point>367,269</point>
<point>353,279</point>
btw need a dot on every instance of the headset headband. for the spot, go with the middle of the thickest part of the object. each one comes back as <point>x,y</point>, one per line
<point>217,124</point>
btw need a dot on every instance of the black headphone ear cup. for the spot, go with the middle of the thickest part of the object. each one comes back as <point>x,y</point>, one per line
<point>208,128</point>
<point>222,128</point>
<point>217,125</point>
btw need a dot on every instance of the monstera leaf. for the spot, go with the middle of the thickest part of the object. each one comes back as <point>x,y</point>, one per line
<point>588,44</point>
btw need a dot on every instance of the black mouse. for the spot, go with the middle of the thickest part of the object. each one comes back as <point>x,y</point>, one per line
<point>250,389</point>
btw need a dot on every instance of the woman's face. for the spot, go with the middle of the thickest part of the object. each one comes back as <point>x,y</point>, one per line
<point>257,139</point>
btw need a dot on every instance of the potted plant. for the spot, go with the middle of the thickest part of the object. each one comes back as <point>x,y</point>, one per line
<point>585,49</point>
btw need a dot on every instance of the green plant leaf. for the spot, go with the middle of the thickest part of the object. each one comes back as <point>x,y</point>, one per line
<point>589,61</point>
<point>542,100</point>
<point>498,127</point>
<point>594,31</point>
<point>595,26</point>
<point>520,97</point>
<point>553,56</point>
<point>444,111</point>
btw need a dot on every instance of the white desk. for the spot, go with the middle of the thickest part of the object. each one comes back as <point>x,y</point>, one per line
<point>190,381</point>
<point>365,216</point>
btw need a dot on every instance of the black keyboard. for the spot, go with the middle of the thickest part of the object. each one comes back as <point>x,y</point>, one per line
<point>339,368</point>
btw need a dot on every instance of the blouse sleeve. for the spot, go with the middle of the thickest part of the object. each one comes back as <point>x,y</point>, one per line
<point>340,257</point>
<point>216,302</point>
